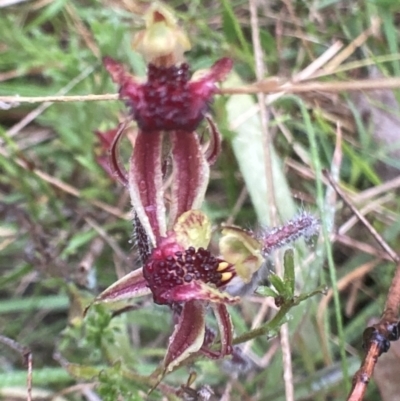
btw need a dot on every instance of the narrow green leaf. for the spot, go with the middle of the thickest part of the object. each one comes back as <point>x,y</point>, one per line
<point>288,277</point>
<point>266,292</point>
<point>278,283</point>
<point>232,28</point>
<point>248,146</point>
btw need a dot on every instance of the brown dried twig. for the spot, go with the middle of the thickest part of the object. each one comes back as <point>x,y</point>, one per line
<point>26,354</point>
<point>268,86</point>
<point>377,338</point>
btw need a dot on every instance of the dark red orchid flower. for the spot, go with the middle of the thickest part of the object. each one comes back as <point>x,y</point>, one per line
<point>178,269</point>
<point>167,108</point>
<point>182,273</point>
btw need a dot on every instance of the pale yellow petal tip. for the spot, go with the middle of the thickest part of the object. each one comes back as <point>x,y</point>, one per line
<point>162,38</point>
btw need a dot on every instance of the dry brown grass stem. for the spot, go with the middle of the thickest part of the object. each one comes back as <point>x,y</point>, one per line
<point>334,64</point>
<point>342,284</point>
<point>274,86</point>
<point>273,210</point>
<point>375,205</point>
<point>361,246</point>
<point>372,192</point>
<point>268,86</point>
<point>385,246</point>
<point>237,206</point>
<point>26,355</point>
<point>64,187</point>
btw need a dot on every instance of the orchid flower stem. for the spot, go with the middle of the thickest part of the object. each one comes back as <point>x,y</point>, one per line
<point>151,382</point>
<point>270,327</point>
<point>273,325</point>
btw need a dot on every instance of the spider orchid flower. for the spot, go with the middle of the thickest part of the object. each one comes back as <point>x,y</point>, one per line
<point>178,269</point>
<point>167,107</point>
<point>182,273</point>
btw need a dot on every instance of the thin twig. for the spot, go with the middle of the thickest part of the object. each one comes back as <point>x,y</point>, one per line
<point>58,99</point>
<point>46,103</point>
<point>268,86</point>
<point>26,355</point>
<point>385,246</point>
<point>55,182</point>
<point>363,375</point>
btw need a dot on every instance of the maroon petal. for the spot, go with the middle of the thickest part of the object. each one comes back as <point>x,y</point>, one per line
<point>214,147</point>
<point>219,70</point>
<point>225,329</point>
<point>104,163</point>
<point>188,335</point>
<point>146,185</point>
<point>106,138</point>
<point>119,74</point>
<point>190,174</point>
<point>204,87</point>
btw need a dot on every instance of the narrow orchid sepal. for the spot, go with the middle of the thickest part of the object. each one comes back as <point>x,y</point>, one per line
<point>130,286</point>
<point>116,168</point>
<point>225,329</point>
<point>146,183</point>
<point>119,74</point>
<point>188,336</point>
<point>190,173</point>
<point>203,83</point>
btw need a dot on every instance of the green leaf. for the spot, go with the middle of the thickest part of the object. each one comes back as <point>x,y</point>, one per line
<point>248,146</point>
<point>77,241</point>
<point>266,292</point>
<point>288,277</point>
<point>233,30</point>
<point>278,283</point>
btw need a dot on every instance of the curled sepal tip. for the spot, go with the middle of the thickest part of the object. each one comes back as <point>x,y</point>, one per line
<point>214,146</point>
